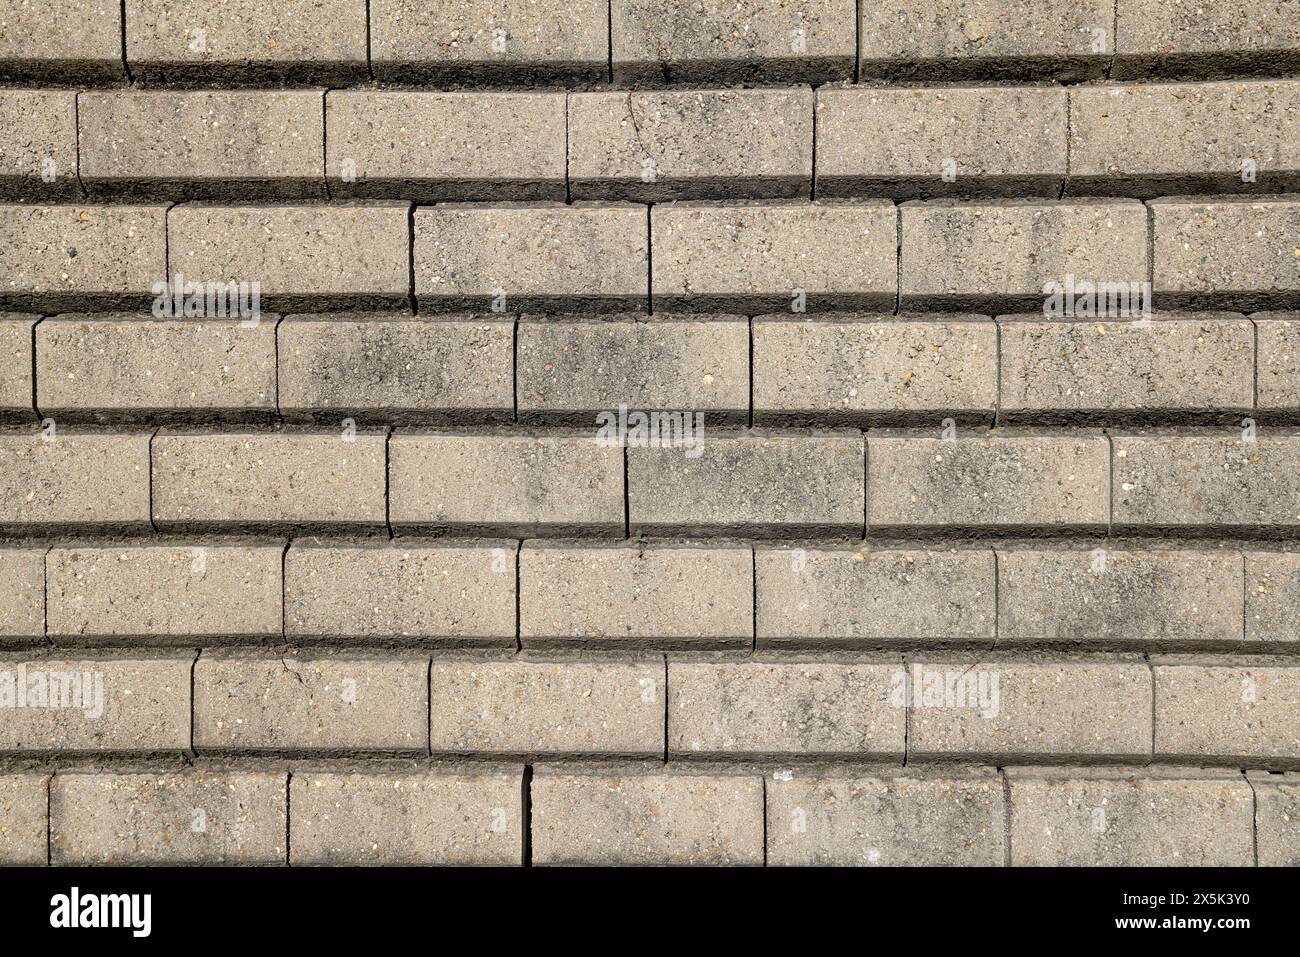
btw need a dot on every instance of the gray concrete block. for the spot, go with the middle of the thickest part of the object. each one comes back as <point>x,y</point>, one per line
<point>38,143</point>
<point>940,141</point>
<point>1233,37</point>
<point>65,480</point>
<point>1128,597</point>
<point>66,41</point>
<point>572,371</point>
<point>190,817</point>
<point>1056,370</point>
<point>674,818</point>
<point>540,256</point>
<point>996,255</point>
<point>864,370</point>
<point>660,44</point>
<point>246,42</point>
<point>1273,598</point>
<point>434,146</point>
<point>516,41</point>
<point>381,367</point>
<point>765,257</point>
<point>129,367</point>
<point>22,596</point>
<point>431,592</point>
<point>560,708</point>
<point>847,819</point>
<point>1080,817</point>
<point>994,710</point>
<point>1198,482</point>
<point>1237,711</point>
<point>177,594</point>
<point>841,596</point>
<point>248,702</point>
<point>791,710</point>
<point>1278,382</point>
<point>1277,818</point>
<point>517,485</point>
<point>24,809</point>
<point>16,366</point>
<point>202,144</point>
<point>1004,481</point>
<point>697,144</point>
<point>1168,138</point>
<point>269,480</point>
<point>96,705</point>
<point>67,257</point>
<point>407,818</point>
<point>304,257</point>
<point>1236,253</point>
<point>748,483</point>
<point>658,596</point>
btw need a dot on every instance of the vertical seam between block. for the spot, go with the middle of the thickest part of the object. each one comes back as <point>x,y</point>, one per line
<point>753,596</point>
<point>410,258</point>
<point>324,142</point>
<point>665,708</point>
<point>1151,250</point>
<point>763,779</point>
<point>627,495</point>
<point>1151,673</point>
<point>1069,144</point>
<point>609,39</point>
<point>288,818</point>
<point>898,258</point>
<point>751,372</point>
<point>1110,482</point>
<point>997,372</point>
<point>907,709</point>
<point>568,182</point>
<point>526,816</point>
<point>866,486</point>
<point>45,589</point>
<point>388,483</point>
<point>284,591</point>
<point>76,135</point>
<point>812,181</point>
<point>370,66</point>
<point>36,408</point>
<point>1006,817</point>
<point>275,341</point>
<point>126,63</point>
<point>1245,592</point>
<point>519,603</point>
<point>649,260</point>
<point>1254,399</point>
<point>514,369</point>
<point>857,41</point>
<point>149,480</point>
<point>1254,819</point>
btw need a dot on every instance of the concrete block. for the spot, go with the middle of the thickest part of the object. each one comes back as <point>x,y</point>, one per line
<point>189,817</point>
<point>38,143</point>
<point>431,592</point>
<point>67,480</point>
<point>738,710</point>
<point>434,146</point>
<point>247,702</point>
<point>566,708</point>
<point>638,818</point>
<point>1233,37</point>
<point>165,593</point>
<point>553,484</point>
<point>658,596</point>
<point>22,596</point>
<point>64,41</point>
<point>1277,818</point>
<point>764,257</point>
<point>24,809</point>
<point>1278,338</point>
<point>748,483</point>
<point>696,144</point>
<point>16,392</point>
<point>842,596</point>
<point>1273,598</point>
<point>864,370</point>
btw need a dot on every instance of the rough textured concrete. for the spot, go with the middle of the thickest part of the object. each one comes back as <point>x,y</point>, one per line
<point>201,144</point>
<point>1225,38</point>
<point>537,256</point>
<point>96,706</point>
<point>574,370</point>
<point>1234,711</point>
<point>250,702</point>
<point>847,596</point>
<point>505,708</point>
<point>981,255</point>
<point>24,807</point>
<point>943,141</point>
<point>698,144</point>
<point>446,146</point>
<point>1273,597</point>
<point>1189,482</point>
<point>246,42</point>
<point>176,594</point>
<point>57,257</point>
<point>684,41</point>
<point>751,484</point>
<point>193,817</point>
<point>522,41</point>
<point>953,39</point>
<point>38,143</point>
<point>407,818</point>
<point>673,819</point>
<point>541,485</point>
<point>1004,481</point>
<point>22,595</point>
<point>381,367</point>
<point>1098,367</point>
<point>130,365</point>
<point>1004,711</point>
<point>430,592</point>
<point>760,257</point>
<point>1278,337</point>
<point>268,480</point>
<point>846,819</point>
<point>1277,818</point>
<point>783,710</point>
<point>67,480</point>
<point>655,596</point>
<point>16,366</point>
<point>1127,597</point>
<point>1076,817</point>
<point>72,41</point>
<point>861,370</point>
